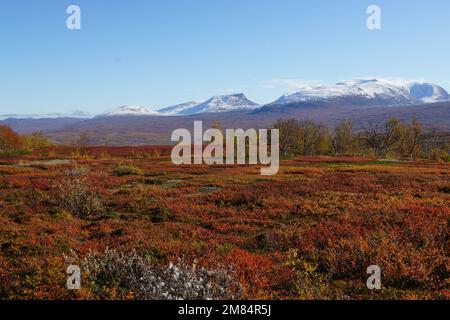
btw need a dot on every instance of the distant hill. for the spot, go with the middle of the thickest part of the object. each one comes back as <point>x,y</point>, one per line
<point>28,125</point>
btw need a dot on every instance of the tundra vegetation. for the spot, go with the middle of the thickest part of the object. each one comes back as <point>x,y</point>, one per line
<point>141,227</point>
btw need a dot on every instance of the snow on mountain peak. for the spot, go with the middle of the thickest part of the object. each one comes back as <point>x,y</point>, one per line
<point>371,91</point>
<point>179,109</point>
<point>389,91</point>
<point>130,110</point>
<point>224,103</point>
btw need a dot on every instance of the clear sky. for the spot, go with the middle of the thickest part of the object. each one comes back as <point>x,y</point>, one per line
<point>157,53</point>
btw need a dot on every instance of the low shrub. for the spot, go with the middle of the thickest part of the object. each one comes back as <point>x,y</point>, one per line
<point>309,282</point>
<point>445,189</point>
<point>127,170</point>
<point>160,214</point>
<point>440,155</point>
<point>79,171</point>
<point>78,197</point>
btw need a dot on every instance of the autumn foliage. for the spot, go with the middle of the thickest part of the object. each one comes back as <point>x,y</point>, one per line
<point>12,143</point>
<point>9,140</point>
<point>309,232</point>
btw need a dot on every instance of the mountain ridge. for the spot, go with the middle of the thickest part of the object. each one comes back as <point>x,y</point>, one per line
<point>358,92</point>
<point>374,91</point>
<point>129,110</point>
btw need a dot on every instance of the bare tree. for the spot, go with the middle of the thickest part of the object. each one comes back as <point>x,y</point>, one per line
<point>83,141</point>
<point>381,138</point>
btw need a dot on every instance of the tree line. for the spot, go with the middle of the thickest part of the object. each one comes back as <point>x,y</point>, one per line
<point>389,139</point>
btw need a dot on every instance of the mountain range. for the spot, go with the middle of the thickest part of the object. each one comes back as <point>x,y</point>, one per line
<point>372,91</point>
<point>361,100</point>
<point>363,92</point>
<point>216,104</point>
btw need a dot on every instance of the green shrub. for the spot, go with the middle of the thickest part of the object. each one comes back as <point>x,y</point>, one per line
<point>310,284</point>
<point>127,170</point>
<point>440,155</point>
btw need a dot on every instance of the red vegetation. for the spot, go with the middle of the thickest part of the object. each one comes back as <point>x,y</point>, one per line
<point>309,232</point>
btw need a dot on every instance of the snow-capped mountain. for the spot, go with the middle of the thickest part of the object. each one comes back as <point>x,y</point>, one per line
<point>130,110</point>
<point>360,92</point>
<point>224,103</point>
<point>179,108</point>
<point>375,91</point>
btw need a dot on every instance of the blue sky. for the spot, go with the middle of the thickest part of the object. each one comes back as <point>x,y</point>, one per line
<point>157,53</point>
